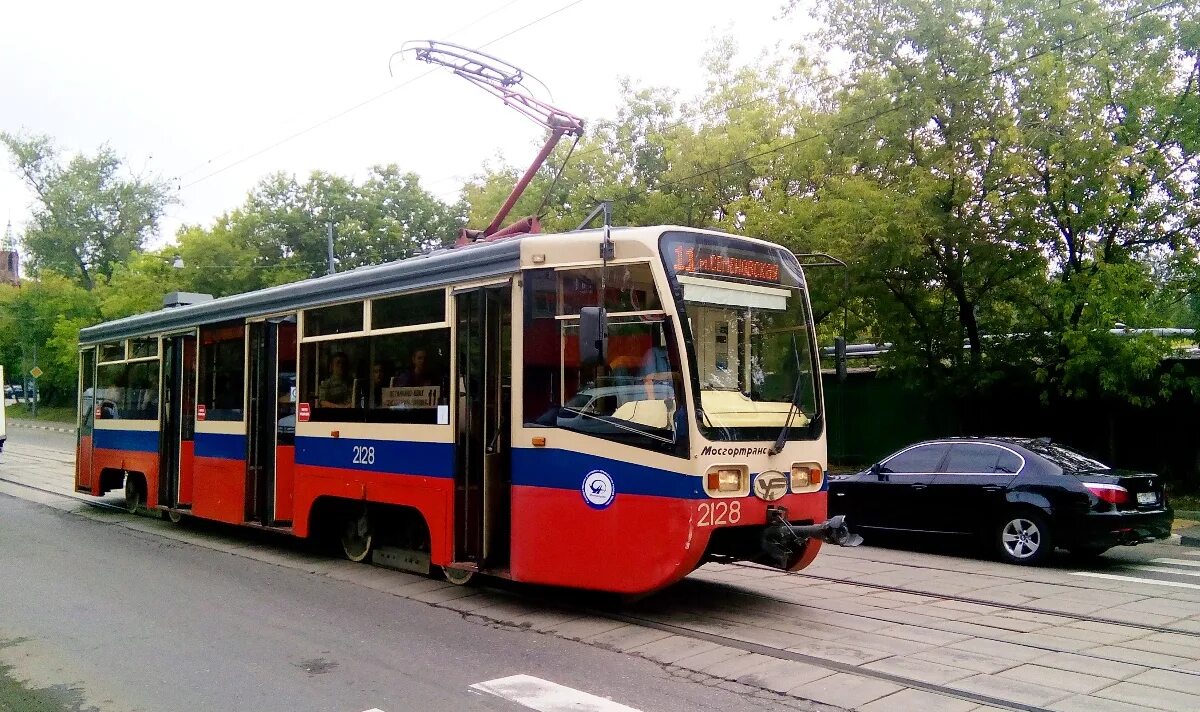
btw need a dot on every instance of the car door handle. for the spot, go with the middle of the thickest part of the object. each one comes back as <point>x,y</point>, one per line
<point>919,486</point>
<point>992,488</point>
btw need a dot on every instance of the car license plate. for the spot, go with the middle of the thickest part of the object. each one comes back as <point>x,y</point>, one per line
<point>1147,497</point>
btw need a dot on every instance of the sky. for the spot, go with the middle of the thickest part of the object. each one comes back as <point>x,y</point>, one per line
<point>213,96</point>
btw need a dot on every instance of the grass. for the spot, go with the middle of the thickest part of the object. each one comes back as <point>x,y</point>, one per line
<point>54,414</point>
<point>1186,502</point>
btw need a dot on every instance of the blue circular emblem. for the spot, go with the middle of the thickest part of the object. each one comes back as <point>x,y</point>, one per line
<point>598,489</point>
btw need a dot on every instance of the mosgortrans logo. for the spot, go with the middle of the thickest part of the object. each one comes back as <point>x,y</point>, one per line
<point>733,451</point>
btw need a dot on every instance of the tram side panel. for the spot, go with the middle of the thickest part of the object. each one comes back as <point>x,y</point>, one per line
<point>219,487</point>
<point>589,522</point>
<point>375,470</point>
<point>128,446</point>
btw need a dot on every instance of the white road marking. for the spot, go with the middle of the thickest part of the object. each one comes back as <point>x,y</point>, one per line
<point>373,709</point>
<point>1191,553</point>
<point>1136,579</point>
<point>545,696</point>
<point>1164,570</point>
<point>1177,562</point>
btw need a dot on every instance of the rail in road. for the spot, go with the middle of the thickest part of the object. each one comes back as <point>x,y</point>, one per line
<point>870,629</point>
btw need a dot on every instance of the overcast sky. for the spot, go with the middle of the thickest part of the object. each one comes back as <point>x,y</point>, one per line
<point>199,93</point>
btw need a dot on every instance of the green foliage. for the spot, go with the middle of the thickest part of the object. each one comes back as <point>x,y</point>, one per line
<point>40,321</point>
<point>88,217</point>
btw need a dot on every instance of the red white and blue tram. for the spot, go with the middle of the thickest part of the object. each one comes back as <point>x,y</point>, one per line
<point>529,407</point>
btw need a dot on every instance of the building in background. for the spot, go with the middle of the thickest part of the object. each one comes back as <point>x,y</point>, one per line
<point>10,259</point>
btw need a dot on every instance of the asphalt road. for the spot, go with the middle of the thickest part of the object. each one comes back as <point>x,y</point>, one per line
<point>101,617</point>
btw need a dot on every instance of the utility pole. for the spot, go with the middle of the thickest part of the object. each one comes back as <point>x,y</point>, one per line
<point>329,246</point>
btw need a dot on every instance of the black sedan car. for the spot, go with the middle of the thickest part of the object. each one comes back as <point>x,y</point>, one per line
<point>1022,497</point>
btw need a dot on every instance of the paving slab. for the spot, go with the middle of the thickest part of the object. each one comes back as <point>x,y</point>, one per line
<point>783,675</point>
<point>1080,682</point>
<point>672,648</point>
<point>1137,657</point>
<point>910,700</point>
<point>627,637</point>
<point>1008,689</point>
<point>1155,697</point>
<point>923,670</point>
<point>1086,703</point>
<point>845,690</point>
<point>976,662</point>
<point>1178,681</point>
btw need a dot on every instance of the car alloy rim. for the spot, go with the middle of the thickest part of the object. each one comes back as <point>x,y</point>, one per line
<point>1021,538</point>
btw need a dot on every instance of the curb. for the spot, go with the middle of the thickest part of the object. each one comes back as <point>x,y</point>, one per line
<point>38,426</point>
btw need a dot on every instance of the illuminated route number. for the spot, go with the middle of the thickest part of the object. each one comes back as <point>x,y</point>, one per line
<point>717,513</point>
<point>364,455</point>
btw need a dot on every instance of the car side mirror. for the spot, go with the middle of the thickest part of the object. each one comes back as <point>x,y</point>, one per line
<point>593,336</point>
<point>876,469</point>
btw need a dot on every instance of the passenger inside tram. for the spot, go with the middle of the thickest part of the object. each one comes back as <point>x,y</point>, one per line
<point>337,391</point>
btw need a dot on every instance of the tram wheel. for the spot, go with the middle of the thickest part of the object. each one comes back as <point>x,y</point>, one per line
<point>458,577</point>
<point>133,493</point>
<point>358,534</point>
<point>175,516</point>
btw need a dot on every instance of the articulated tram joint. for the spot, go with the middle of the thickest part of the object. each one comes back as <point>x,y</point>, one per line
<point>781,540</point>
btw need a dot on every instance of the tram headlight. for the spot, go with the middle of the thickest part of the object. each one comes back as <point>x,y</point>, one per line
<point>806,476</point>
<point>726,479</point>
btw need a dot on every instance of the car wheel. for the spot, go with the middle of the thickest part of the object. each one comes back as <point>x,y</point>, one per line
<point>1024,537</point>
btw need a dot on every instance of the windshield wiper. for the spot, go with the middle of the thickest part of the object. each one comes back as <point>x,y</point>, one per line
<point>795,407</point>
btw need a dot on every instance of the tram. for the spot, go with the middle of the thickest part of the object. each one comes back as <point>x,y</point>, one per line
<point>597,409</point>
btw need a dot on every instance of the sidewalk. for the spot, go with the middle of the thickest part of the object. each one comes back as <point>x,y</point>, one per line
<point>50,425</point>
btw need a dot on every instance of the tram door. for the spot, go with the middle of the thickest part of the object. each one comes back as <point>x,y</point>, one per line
<point>271,421</point>
<point>483,475</point>
<point>87,414</point>
<point>177,436</point>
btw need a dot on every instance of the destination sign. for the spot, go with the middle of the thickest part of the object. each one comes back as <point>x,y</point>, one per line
<point>701,259</point>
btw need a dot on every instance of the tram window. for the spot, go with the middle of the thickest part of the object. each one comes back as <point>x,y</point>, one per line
<point>337,319</point>
<point>395,378</point>
<point>143,348</point>
<point>627,288</point>
<point>110,390</point>
<point>635,398</point>
<point>334,377</point>
<point>409,310</point>
<point>222,372</point>
<point>112,351</point>
<point>141,391</point>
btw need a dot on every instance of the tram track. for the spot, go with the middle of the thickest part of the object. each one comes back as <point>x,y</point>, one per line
<point>980,602</point>
<point>89,502</point>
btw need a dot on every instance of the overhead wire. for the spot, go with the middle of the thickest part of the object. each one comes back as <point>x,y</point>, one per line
<point>374,98</point>
<point>775,91</point>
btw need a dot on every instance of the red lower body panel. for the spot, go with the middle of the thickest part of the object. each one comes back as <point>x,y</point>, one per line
<point>220,489</point>
<point>145,463</point>
<point>187,471</point>
<point>285,473</point>
<point>432,496</point>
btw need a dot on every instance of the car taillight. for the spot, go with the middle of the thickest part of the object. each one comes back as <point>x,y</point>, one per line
<point>1113,494</point>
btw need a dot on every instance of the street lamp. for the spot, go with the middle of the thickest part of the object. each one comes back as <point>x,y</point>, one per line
<point>178,263</point>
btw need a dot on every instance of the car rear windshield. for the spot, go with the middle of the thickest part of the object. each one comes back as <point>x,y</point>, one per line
<point>1066,458</point>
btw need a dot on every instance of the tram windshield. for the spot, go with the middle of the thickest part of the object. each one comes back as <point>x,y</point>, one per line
<point>746,318</point>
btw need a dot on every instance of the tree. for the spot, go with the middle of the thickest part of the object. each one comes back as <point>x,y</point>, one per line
<point>88,216</point>
<point>1028,161</point>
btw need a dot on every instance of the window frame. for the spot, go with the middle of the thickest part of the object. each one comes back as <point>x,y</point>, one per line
<point>883,464</point>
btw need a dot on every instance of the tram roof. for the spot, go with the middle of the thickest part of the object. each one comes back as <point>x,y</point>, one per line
<point>477,260</point>
<point>439,268</point>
